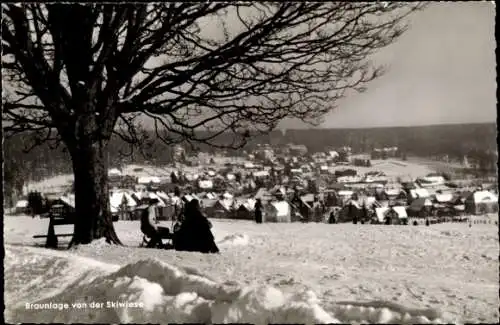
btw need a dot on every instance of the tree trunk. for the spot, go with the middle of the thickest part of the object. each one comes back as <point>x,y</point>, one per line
<point>93,215</point>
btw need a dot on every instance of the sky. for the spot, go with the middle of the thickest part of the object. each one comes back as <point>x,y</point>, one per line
<point>442,70</point>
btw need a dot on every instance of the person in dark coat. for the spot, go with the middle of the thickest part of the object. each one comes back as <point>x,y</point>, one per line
<point>332,219</point>
<point>194,234</point>
<point>258,211</point>
<point>353,208</point>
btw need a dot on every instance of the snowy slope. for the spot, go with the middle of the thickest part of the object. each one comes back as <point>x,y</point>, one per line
<point>313,273</point>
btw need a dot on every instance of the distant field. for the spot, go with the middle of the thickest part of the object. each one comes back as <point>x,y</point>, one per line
<point>394,168</point>
<point>453,169</point>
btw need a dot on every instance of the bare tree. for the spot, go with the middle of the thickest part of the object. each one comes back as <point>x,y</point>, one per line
<point>80,73</point>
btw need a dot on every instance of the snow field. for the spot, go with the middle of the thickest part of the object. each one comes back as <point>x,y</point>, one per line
<point>281,273</point>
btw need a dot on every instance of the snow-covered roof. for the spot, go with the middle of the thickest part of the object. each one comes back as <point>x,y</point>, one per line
<point>307,197</point>
<point>485,196</point>
<point>227,195</point>
<point>148,179</point>
<point>393,191</point>
<point>369,200</point>
<point>349,179</point>
<point>434,179</point>
<point>22,204</point>
<point>419,192</point>
<point>282,208</point>
<point>207,203</point>
<point>421,202</point>
<point>206,184</point>
<point>114,172</point>
<point>381,212</point>
<point>141,194</point>
<point>164,196</point>
<point>250,204</point>
<point>175,200</point>
<point>226,203</point>
<point>441,198</point>
<point>68,199</point>
<point>160,203</point>
<point>281,191</point>
<point>261,193</point>
<point>261,173</point>
<point>191,177</point>
<point>211,196</point>
<point>117,198</point>
<point>345,193</point>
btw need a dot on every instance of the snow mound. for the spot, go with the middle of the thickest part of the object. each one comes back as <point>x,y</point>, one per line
<point>151,291</point>
<point>388,313</point>
<point>234,240</point>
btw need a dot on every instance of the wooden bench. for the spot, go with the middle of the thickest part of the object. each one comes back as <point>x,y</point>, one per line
<point>51,235</point>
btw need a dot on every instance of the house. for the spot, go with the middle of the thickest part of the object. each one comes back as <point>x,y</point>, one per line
<point>121,204</point>
<point>443,198</point>
<point>207,206</point>
<point>481,202</point>
<point>420,207</point>
<point>148,180</point>
<point>299,150</point>
<point>64,206</point>
<point>361,160</point>
<point>263,194</point>
<point>345,195</point>
<point>396,196</point>
<point>22,207</point>
<point>249,165</point>
<point>227,196</point>
<point>419,193</point>
<point>205,185</point>
<point>261,174</point>
<point>308,198</point>
<point>164,196</point>
<point>222,209</point>
<point>140,197</point>
<point>278,211</point>
<point>114,172</point>
<point>395,215</point>
<point>68,200</point>
<point>211,196</point>
<point>333,154</point>
<point>324,169</point>
<point>245,210</point>
<point>431,181</point>
<point>349,179</point>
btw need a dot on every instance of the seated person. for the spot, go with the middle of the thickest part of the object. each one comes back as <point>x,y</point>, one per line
<point>150,228</point>
<point>194,234</point>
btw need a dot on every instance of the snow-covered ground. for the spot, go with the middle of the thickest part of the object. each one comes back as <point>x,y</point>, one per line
<point>268,273</point>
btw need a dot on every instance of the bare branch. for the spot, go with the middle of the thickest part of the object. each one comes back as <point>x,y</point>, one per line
<point>91,65</point>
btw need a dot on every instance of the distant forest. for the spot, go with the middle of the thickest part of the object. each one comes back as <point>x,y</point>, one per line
<point>422,141</point>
